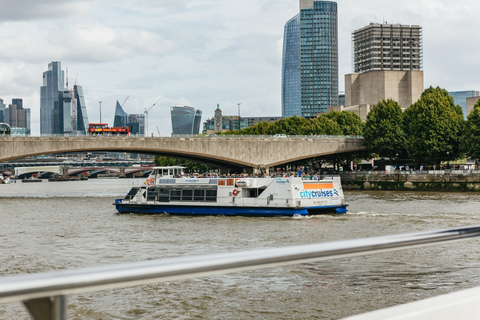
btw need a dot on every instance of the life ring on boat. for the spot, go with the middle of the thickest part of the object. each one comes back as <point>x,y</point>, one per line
<point>235,192</point>
<point>150,181</point>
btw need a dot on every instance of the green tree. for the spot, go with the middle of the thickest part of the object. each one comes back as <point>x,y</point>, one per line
<point>289,126</point>
<point>470,142</point>
<point>350,122</point>
<point>322,125</point>
<point>433,127</point>
<point>383,131</point>
<point>258,129</point>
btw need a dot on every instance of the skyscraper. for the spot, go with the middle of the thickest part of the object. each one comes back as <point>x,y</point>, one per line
<point>53,83</point>
<point>63,118</point>
<point>17,117</point>
<point>121,117</point>
<point>185,120</point>
<point>310,60</point>
<point>135,122</point>
<point>291,99</point>
<point>82,116</point>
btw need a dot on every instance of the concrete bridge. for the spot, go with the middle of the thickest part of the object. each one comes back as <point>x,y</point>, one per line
<point>222,151</point>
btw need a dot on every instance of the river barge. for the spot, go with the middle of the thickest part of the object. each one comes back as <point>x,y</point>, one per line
<point>166,190</point>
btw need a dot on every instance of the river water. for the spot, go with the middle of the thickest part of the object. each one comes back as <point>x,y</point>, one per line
<point>51,226</point>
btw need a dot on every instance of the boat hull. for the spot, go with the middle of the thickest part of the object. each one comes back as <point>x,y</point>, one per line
<point>224,211</point>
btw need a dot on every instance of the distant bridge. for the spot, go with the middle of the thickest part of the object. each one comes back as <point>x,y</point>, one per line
<point>93,172</point>
<point>222,151</point>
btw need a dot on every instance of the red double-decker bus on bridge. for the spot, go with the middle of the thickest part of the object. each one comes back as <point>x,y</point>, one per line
<point>102,129</point>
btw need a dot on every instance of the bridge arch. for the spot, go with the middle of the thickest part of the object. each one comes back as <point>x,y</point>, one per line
<point>221,151</point>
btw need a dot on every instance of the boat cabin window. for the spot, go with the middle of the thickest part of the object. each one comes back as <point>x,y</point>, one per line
<point>199,195</point>
<point>211,195</point>
<point>175,195</point>
<point>167,195</point>
<point>253,192</point>
<point>187,195</point>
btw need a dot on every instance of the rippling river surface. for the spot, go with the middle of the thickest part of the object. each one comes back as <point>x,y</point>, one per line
<point>53,226</point>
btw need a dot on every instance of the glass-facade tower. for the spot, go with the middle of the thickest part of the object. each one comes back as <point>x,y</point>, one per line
<point>53,83</point>
<point>311,46</point>
<point>460,98</point>
<point>291,103</point>
<point>135,122</point>
<point>82,117</point>
<point>185,120</point>
<point>121,116</point>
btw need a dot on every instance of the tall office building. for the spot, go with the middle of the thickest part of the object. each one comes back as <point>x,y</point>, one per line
<point>310,60</point>
<point>16,116</point>
<point>2,107</point>
<point>64,121</point>
<point>387,60</point>
<point>291,98</point>
<point>185,120</point>
<point>136,122</point>
<point>82,116</point>
<point>53,83</point>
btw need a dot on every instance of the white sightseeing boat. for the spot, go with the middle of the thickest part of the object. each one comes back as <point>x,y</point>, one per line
<point>168,191</point>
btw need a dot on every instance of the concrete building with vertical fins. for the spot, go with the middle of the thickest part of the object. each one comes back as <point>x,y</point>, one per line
<point>388,63</point>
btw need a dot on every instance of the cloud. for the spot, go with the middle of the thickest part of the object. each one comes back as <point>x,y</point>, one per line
<point>34,9</point>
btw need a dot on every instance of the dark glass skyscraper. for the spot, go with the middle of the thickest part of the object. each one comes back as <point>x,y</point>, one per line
<point>136,122</point>
<point>310,60</point>
<point>291,103</point>
<point>53,83</point>
<point>121,116</point>
<point>82,117</point>
<point>185,120</point>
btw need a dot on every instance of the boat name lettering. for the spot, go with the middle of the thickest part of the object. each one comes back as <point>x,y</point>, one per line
<point>281,181</point>
<point>192,181</point>
<point>318,194</point>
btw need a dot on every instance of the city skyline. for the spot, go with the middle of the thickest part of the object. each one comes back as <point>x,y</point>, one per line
<point>203,52</point>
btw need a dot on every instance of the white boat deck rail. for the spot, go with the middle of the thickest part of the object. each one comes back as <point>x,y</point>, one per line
<point>44,295</point>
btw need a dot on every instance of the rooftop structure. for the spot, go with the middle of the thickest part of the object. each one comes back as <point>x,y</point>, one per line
<point>387,47</point>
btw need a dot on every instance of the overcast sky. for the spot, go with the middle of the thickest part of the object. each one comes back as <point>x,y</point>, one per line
<point>203,52</point>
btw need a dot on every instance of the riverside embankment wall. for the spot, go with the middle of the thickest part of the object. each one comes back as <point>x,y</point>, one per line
<point>412,182</point>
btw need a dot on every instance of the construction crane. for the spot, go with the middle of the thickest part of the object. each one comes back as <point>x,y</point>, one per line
<point>147,110</point>
<point>125,101</point>
<point>158,130</point>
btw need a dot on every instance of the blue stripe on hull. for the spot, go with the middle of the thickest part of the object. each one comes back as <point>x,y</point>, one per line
<point>225,211</point>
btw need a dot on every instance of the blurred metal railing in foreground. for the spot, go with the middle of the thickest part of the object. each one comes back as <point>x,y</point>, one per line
<point>44,294</point>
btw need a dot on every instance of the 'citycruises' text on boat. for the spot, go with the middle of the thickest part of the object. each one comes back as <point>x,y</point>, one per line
<point>168,191</point>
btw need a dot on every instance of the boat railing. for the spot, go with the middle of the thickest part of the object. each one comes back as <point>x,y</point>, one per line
<point>44,295</point>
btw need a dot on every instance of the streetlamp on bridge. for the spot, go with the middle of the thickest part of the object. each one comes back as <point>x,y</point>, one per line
<point>100,111</point>
<point>239,123</point>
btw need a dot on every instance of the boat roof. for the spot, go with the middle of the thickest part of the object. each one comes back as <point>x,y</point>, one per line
<point>172,167</point>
